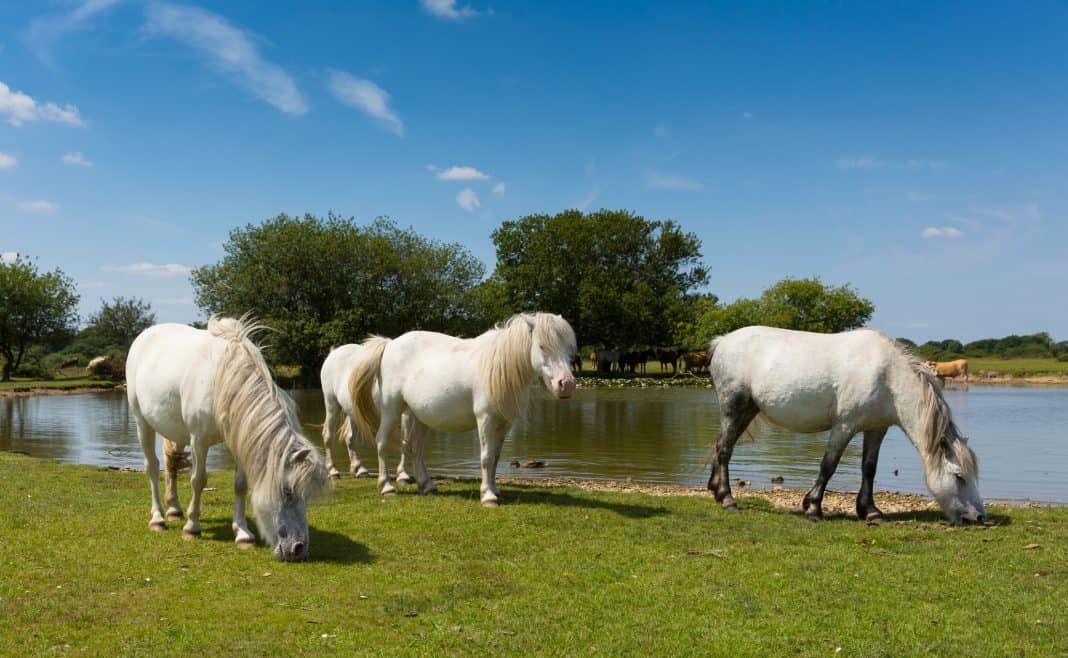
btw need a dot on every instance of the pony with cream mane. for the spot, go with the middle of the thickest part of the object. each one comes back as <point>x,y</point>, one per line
<point>334,378</point>
<point>201,387</point>
<point>455,385</point>
<point>856,381</point>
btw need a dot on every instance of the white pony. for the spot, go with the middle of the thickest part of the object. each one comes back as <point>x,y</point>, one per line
<point>199,388</point>
<point>857,381</point>
<point>455,385</point>
<point>334,377</point>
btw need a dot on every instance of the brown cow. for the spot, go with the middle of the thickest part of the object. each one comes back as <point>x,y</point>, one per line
<point>695,361</point>
<point>945,369</point>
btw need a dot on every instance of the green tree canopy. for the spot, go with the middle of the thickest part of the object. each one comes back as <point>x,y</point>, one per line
<point>328,282</point>
<point>118,322</point>
<point>34,308</point>
<point>804,304</point>
<point>618,278</point>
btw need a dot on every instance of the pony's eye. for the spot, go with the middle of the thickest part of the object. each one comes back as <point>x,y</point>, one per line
<point>287,492</point>
<point>960,479</point>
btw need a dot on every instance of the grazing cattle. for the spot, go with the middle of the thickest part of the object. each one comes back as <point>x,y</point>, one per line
<point>946,369</point>
<point>696,361</point>
<point>670,356</point>
<point>68,363</point>
<point>633,361</point>
<point>576,363</point>
<point>606,359</point>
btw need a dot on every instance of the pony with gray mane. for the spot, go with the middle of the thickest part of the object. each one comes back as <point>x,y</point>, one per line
<point>455,385</point>
<point>340,422</point>
<point>202,387</point>
<point>856,381</point>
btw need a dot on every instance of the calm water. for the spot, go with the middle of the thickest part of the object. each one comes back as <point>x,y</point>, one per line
<point>653,435</point>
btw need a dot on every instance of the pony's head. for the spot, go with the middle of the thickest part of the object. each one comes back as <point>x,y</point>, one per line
<point>952,470</point>
<point>551,348</point>
<point>280,502</point>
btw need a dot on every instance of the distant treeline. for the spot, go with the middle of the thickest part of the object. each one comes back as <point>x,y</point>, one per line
<point>1034,346</point>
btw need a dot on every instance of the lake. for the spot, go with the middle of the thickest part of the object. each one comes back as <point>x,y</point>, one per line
<point>651,435</point>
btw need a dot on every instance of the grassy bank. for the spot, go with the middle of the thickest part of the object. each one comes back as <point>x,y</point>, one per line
<point>20,384</point>
<point>1019,367</point>
<point>554,571</point>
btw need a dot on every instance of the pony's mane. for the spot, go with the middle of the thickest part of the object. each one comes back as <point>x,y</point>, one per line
<point>504,357</point>
<point>940,437</point>
<point>258,420</point>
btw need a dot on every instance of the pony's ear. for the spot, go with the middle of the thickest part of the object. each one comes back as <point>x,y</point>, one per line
<point>300,455</point>
<point>954,468</point>
<point>530,318</point>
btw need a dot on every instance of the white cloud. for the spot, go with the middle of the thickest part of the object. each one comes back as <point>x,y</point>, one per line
<point>93,284</point>
<point>230,50</point>
<point>20,108</point>
<point>927,164</point>
<point>76,159</point>
<point>458,173</point>
<point>9,256</point>
<point>448,9</point>
<point>589,198</point>
<point>861,162</point>
<point>499,190</point>
<point>934,232</point>
<point>7,161</point>
<point>365,96</point>
<point>658,181</point>
<point>468,200</point>
<point>150,270</point>
<point>39,207</point>
<point>47,29</point>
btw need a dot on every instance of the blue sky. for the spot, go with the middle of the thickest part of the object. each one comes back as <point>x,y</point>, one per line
<point>917,152</point>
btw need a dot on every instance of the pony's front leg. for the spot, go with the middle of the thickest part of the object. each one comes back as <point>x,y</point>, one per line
<point>866,509</point>
<point>836,443</point>
<point>198,479</point>
<point>736,412</point>
<point>491,433</point>
<point>356,466</point>
<point>147,436</point>
<point>242,535</point>
<point>415,436</point>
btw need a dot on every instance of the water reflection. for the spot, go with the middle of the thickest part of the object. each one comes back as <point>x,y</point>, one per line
<point>652,435</point>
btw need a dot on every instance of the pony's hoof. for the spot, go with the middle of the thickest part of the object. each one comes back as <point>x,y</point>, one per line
<point>404,478</point>
<point>157,526</point>
<point>428,490</point>
<point>490,503</point>
<point>814,516</point>
<point>362,472</point>
<point>175,515</point>
<point>334,475</point>
<point>874,517</point>
<point>190,535</point>
<point>388,490</point>
<point>245,544</point>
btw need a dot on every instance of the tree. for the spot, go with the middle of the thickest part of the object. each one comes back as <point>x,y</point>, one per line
<point>321,283</point>
<point>34,308</point>
<point>617,277</point>
<point>804,304</point>
<point>119,322</point>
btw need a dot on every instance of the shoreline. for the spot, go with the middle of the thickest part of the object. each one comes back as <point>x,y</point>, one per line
<point>31,391</point>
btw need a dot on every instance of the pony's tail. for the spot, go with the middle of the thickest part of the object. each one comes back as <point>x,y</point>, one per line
<point>361,385</point>
<point>712,346</point>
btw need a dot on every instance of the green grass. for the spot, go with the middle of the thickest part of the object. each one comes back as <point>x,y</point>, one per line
<point>1019,367</point>
<point>554,571</point>
<point>60,383</point>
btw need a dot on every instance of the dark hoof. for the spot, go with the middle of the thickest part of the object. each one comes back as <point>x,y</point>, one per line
<point>335,476</point>
<point>190,536</point>
<point>175,516</point>
<point>874,516</point>
<point>729,504</point>
<point>158,526</point>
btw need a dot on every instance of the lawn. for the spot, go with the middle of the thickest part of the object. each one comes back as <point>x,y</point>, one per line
<point>59,383</point>
<point>1019,367</point>
<point>553,571</point>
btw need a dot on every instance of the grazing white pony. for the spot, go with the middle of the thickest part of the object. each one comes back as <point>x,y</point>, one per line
<point>455,385</point>
<point>199,388</point>
<point>856,381</point>
<point>334,377</point>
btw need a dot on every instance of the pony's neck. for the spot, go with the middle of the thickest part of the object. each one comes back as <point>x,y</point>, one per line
<point>909,402</point>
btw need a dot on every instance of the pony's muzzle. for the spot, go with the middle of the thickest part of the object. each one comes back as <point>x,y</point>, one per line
<point>295,552</point>
<point>564,387</point>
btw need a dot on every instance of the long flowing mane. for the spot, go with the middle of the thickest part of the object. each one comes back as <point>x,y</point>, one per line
<point>940,436</point>
<point>257,419</point>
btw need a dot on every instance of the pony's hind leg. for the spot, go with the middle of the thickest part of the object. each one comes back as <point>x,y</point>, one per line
<point>198,479</point>
<point>402,467</point>
<point>356,466</point>
<point>147,436</point>
<point>242,535</point>
<point>836,443</point>
<point>415,435</point>
<point>736,412</point>
<point>329,421</point>
<point>386,428</point>
<point>866,509</point>
<point>173,459</point>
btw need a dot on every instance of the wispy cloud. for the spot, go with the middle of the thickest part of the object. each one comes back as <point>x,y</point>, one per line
<point>46,30</point>
<point>747,115</point>
<point>938,232</point>
<point>859,162</point>
<point>659,181</point>
<point>590,197</point>
<point>93,284</point>
<point>926,164</point>
<point>150,270</point>
<point>228,49</point>
<point>7,161</point>
<point>468,200</point>
<point>458,172</point>
<point>9,256</point>
<point>365,96</point>
<point>19,108</point>
<point>499,190</point>
<point>447,9</point>
<point>76,159</point>
<point>37,207</point>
